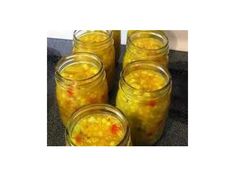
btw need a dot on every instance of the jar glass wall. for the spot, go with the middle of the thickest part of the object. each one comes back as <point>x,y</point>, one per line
<point>129,32</point>
<point>99,42</point>
<point>144,97</point>
<point>98,125</point>
<point>80,80</point>
<point>147,45</point>
<point>117,43</point>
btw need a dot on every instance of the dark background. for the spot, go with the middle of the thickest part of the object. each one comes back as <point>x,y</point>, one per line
<point>176,130</point>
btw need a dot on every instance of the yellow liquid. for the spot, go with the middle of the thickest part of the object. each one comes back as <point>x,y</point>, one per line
<point>79,71</point>
<point>132,31</point>
<point>105,51</point>
<point>147,80</point>
<point>73,96</point>
<point>146,48</point>
<point>97,130</point>
<point>146,116</point>
<point>94,37</point>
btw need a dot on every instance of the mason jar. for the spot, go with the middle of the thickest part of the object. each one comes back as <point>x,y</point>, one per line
<point>144,97</point>
<point>99,42</point>
<point>129,32</point>
<point>80,80</point>
<point>117,43</point>
<point>98,125</point>
<point>147,45</point>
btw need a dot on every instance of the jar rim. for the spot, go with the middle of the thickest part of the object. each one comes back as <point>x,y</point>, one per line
<point>77,39</point>
<point>141,63</point>
<point>62,63</point>
<point>77,116</point>
<point>159,34</point>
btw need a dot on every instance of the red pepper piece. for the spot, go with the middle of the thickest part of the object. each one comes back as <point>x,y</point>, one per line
<point>70,91</point>
<point>152,103</point>
<point>115,129</point>
<point>78,139</point>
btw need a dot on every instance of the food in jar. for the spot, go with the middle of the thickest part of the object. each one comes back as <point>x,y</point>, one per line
<point>77,84</point>
<point>98,125</point>
<point>97,130</point>
<point>129,32</point>
<point>100,43</point>
<point>147,45</point>
<point>144,97</point>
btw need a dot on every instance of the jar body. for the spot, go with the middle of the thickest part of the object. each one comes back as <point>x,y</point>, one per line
<point>147,45</point>
<point>146,114</point>
<point>117,43</point>
<point>98,125</point>
<point>68,143</point>
<point>103,47</point>
<point>73,94</point>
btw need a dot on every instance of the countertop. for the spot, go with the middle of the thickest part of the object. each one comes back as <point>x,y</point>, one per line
<point>176,130</point>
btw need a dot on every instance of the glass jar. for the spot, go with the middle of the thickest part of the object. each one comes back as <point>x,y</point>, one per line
<point>100,43</point>
<point>117,43</point>
<point>144,97</point>
<point>129,32</point>
<point>80,80</point>
<point>98,125</point>
<point>147,45</point>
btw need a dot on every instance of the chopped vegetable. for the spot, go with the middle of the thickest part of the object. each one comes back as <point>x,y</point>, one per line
<point>152,103</point>
<point>145,114</point>
<point>115,128</point>
<point>146,47</point>
<point>105,51</point>
<point>71,97</point>
<point>78,138</point>
<point>70,92</point>
<point>99,130</point>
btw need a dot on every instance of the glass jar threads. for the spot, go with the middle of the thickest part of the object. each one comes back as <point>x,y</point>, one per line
<point>80,80</point>
<point>144,97</point>
<point>98,125</point>
<point>129,32</point>
<point>99,42</point>
<point>147,45</point>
